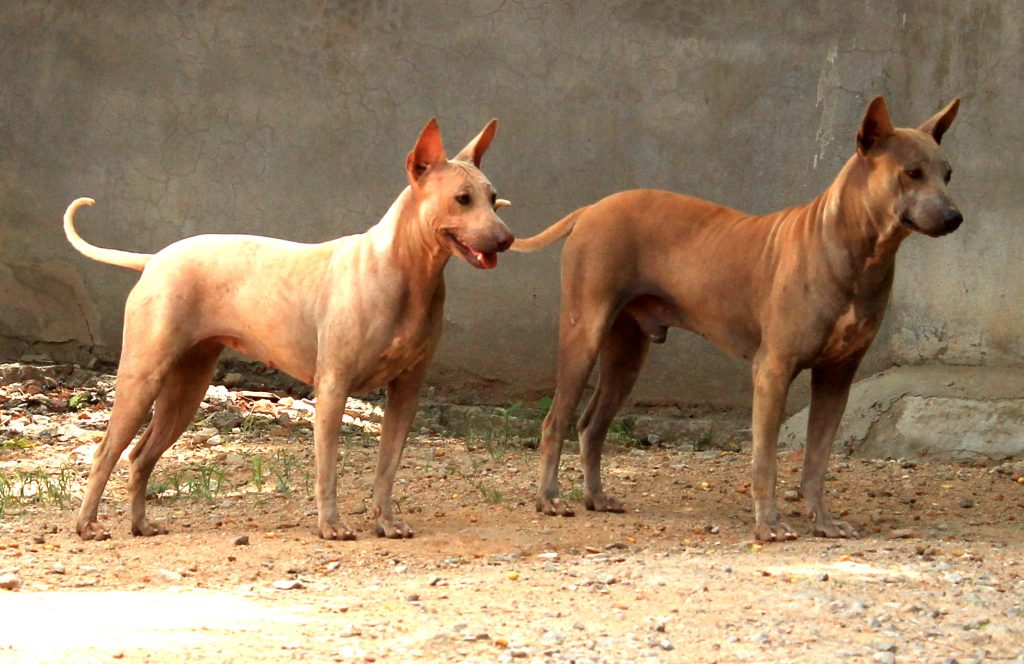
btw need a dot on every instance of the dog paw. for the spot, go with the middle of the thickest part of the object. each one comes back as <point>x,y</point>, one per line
<point>554,507</point>
<point>834,529</point>
<point>602,502</point>
<point>92,531</point>
<point>392,529</point>
<point>775,531</point>
<point>335,531</point>
<point>148,529</point>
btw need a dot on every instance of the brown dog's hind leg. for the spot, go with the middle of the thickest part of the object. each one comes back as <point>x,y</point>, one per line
<point>622,356</point>
<point>175,409</point>
<point>772,377</point>
<point>579,341</point>
<point>135,393</point>
<point>830,387</point>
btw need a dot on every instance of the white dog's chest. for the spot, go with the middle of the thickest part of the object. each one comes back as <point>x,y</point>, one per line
<point>404,352</point>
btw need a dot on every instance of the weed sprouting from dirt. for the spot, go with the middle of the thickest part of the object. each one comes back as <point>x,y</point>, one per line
<point>623,430</point>
<point>282,467</point>
<point>6,493</point>
<point>703,439</point>
<point>36,487</point>
<point>258,474</point>
<point>203,481</point>
<point>574,494</point>
<point>79,401</point>
<point>490,494</point>
<point>18,444</point>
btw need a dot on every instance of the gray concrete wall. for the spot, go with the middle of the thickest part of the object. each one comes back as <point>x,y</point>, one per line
<point>293,119</point>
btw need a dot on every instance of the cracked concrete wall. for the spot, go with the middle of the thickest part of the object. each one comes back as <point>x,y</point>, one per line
<point>293,120</point>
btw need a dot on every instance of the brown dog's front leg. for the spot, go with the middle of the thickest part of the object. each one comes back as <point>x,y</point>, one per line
<point>771,383</point>
<point>330,408</point>
<point>403,400</point>
<point>830,387</point>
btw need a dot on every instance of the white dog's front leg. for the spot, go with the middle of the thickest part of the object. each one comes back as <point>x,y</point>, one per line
<point>330,408</point>
<point>399,412</point>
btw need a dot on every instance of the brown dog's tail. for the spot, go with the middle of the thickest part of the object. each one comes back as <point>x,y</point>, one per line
<point>552,233</point>
<point>111,256</point>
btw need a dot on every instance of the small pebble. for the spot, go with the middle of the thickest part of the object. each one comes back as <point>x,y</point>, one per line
<point>170,575</point>
<point>9,581</point>
<point>904,533</point>
<point>975,624</point>
<point>884,657</point>
<point>241,540</point>
<point>414,597</point>
<point>791,495</point>
<point>663,644</point>
<point>288,584</point>
<point>966,503</point>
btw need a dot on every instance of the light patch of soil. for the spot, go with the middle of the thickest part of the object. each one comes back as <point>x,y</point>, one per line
<point>936,574</point>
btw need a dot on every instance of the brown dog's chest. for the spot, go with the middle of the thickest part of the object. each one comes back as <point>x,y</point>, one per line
<point>851,334</point>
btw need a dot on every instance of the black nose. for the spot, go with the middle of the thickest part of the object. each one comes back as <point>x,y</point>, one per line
<point>953,220</point>
<point>505,242</point>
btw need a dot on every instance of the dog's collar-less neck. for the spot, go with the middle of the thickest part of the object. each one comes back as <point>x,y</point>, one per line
<point>860,243</point>
<point>401,236</point>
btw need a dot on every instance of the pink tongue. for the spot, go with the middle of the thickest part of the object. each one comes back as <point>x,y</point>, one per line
<point>488,261</point>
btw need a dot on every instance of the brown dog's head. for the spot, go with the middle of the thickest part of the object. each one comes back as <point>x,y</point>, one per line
<point>456,201</point>
<point>907,166</point>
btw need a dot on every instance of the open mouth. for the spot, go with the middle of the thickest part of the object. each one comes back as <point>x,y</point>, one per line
<point>907,223</point>
<point>485,260</point>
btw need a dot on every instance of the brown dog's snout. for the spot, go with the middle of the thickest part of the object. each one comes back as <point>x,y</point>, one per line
<point>952,221</point>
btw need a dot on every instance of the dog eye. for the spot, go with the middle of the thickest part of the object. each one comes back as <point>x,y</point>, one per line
<point>463,199</point>
<point>949,176</point>
<point>914,173</point>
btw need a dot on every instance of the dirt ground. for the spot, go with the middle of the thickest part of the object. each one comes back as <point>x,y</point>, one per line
<point>937,575</point>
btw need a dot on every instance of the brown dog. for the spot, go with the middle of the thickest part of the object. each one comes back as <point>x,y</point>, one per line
<point>347,315</point>
<point>803,288</point>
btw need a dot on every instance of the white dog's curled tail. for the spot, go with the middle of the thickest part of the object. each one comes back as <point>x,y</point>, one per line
<point>111,256</point>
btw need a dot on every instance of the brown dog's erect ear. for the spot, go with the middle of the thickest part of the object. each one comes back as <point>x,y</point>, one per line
<point>475,149</point>
<point>939,123</point>
<point>429,150</point>
<point>875,127</point>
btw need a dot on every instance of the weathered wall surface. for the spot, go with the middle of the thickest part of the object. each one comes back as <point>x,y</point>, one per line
<point>293,120</point>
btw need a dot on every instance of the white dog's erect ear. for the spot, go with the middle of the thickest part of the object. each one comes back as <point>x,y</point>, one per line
<point>875,127</point>
<point>429,150</point>
<point>475,149</point>
<point>939,123</point>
